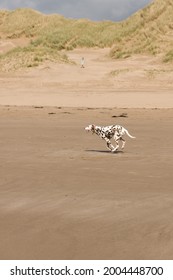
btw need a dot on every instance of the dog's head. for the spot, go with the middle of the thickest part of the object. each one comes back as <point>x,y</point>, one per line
<point>90,127</point>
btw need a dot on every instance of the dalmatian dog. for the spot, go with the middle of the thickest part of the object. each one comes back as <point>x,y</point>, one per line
<point>108,132</point>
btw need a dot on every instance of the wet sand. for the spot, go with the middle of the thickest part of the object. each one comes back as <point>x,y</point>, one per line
<point>65,196</point>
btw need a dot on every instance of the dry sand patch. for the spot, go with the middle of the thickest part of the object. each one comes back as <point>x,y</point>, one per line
<point>137,82</point>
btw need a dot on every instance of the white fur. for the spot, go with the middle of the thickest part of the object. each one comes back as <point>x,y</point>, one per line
<point>107,132</point>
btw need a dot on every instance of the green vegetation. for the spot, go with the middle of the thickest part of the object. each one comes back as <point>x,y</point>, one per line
<point>149,31</point>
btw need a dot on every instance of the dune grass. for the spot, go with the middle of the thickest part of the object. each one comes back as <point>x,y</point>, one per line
<point>168,56</point>
<point>149,31</point>
<point>29,56</point>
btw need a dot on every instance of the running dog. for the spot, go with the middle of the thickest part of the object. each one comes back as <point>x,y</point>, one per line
<point>108,132</point>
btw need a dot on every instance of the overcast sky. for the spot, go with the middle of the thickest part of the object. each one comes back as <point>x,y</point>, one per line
<point>92,9</point>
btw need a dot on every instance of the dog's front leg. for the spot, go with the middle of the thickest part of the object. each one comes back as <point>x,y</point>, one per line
<point>109,145</point>
<point>116,138</point>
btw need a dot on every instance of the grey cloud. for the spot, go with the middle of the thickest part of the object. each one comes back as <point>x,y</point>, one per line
<point>11,5</point>
<point>92,9</point>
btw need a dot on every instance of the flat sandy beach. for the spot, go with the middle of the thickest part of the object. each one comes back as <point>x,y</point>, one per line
<point>63,194</point>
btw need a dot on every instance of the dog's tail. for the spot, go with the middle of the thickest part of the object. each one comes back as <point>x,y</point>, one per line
<point>129,134</point>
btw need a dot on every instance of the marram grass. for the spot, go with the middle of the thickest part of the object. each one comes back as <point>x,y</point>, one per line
<point>149,31</point>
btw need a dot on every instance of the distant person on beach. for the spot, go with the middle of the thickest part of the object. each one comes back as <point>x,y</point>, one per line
<point>82,62</point>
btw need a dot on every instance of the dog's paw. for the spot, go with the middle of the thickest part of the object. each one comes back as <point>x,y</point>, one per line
<point>114,150</point>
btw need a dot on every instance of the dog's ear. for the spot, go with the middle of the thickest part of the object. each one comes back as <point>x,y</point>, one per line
<point>92,128</point>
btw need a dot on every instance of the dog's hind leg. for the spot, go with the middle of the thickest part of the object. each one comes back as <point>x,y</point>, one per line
<point>123,143</point>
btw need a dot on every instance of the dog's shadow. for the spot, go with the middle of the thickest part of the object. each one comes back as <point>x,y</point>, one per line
<point>104,152</point>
